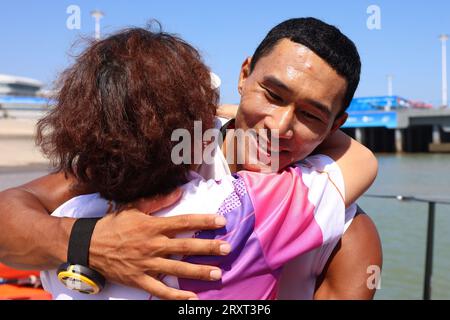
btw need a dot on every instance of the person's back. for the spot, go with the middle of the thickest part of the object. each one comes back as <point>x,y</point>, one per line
<point>271,219</point>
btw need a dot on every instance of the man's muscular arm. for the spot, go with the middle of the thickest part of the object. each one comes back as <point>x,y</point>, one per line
<point>31,238</point>
<point>346,272</point>
<point>126,247</point>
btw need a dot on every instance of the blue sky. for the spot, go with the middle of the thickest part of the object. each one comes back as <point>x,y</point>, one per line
<point>35,41</point>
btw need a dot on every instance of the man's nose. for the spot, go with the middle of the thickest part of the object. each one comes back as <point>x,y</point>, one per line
<point>280,121</point>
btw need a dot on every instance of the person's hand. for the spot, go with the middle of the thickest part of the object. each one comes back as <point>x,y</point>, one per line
<point>130,247</point>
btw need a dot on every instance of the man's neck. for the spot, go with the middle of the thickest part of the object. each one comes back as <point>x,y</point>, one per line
<point>229,150</point>
<point>226,150</point>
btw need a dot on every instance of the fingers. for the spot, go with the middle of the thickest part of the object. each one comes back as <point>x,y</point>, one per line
<point>151,205</point>
<point>160,290</point>
<point>191,247</point>
<point>186,270</point>
<point>192,222</point>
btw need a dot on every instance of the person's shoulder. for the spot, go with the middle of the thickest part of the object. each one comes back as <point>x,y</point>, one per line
<point>85,206</point>
<point>319,162</point>
<point>320,165</point>
<point>219,122</point>
<point>200,193</point>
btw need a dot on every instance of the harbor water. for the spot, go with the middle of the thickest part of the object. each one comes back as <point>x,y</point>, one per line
<point>403,225</point>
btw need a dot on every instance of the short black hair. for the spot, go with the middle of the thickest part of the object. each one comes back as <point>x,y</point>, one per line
<point>324,40</point>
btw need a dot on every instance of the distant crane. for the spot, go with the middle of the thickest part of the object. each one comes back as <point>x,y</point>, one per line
<point>390,78</point>
<point>444,39</point>
<point>97,15</point>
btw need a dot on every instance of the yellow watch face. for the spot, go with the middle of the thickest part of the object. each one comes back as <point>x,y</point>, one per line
<point>74,280</point>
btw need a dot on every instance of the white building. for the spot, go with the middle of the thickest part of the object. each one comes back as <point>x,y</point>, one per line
<point>19,86</point>
<point>22,98</point>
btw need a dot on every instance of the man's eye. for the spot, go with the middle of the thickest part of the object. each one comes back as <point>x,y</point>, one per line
<point>310,115</point>
<point>274,96</point>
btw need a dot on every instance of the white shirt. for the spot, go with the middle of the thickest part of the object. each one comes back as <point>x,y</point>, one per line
<point>299,276</point>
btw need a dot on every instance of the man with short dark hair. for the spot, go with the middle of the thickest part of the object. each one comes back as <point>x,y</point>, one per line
<point>299,83</point>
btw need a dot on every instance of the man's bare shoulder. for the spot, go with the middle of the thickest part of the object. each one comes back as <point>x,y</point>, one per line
<point>349,267</point>
<point>53,189</point>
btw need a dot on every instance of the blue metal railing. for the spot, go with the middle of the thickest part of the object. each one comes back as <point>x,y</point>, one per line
<point>430,233</point>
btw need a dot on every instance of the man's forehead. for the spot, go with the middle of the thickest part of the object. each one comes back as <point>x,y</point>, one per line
<point>290,56</point>
<point>302,70</point>
<point>301,51</point>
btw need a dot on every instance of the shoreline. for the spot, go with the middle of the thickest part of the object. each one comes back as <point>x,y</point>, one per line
<point>20,152</point>
<point>26,168</point>
<point>17,146</point>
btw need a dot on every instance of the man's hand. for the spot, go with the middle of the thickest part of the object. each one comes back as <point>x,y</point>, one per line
<point>127,247</point>
<point>131,248</point>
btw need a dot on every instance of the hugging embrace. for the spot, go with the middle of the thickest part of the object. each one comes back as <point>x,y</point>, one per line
<point>158,228</point>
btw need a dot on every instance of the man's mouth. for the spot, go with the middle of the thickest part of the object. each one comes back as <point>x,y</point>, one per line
<point>264,155</point>
<point>265,146</point>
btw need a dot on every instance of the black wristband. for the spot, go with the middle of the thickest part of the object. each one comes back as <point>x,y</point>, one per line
<point>80,240</point>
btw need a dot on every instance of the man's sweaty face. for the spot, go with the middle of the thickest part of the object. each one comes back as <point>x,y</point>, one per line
<point>293,92</point>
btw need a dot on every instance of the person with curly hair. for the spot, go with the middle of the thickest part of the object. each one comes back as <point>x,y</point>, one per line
<point>111,129</point>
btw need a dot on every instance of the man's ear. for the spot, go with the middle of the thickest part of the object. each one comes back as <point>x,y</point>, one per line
<point>339,122</point>
<point>245,72</point>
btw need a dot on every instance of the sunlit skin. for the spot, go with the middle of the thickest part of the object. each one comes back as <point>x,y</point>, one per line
<point>294,91</point>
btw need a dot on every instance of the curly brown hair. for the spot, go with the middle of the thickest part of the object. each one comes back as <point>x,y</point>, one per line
<point>117,107</point>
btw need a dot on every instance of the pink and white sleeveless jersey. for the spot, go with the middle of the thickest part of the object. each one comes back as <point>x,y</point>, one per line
<point>271,219</point>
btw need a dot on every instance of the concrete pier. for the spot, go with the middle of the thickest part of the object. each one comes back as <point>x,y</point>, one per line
<point>436,134</point>
<point>17,147</point>
<point>440,147</point>
<point>398,140</point>
<point>403,130</point>
<point>359,135</point>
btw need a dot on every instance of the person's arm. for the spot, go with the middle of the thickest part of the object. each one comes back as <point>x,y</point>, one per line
<point>347,270</point>
<point>31,237</point>
<point>356,258</point>
<point>125,247</point>
<point>227,111</point>
<point>357,163</point>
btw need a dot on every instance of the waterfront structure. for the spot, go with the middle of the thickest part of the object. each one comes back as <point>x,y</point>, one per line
<point>20,97</point>
<point>396,124</point>
<point>19,86</point>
